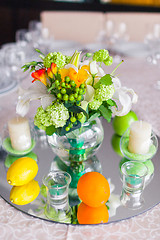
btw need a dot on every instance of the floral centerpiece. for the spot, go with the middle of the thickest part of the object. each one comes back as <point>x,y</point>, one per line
<point>73,91</point>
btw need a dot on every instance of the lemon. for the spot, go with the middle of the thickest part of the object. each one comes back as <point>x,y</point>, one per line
<point>22,171</point>
<point>25,194</point>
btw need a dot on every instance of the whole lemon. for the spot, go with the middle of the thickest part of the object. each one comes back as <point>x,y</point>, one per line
<point>22,171</point>
<point>120,124</point>
<point>25,194</point>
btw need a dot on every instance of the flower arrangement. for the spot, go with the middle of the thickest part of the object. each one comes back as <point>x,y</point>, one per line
<point>74,90</point>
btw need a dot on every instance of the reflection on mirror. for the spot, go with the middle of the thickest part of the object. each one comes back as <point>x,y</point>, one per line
<point>106,161</point>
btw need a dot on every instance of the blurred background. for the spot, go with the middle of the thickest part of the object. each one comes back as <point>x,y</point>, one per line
<point>124,27</point>
<point>16,14</point>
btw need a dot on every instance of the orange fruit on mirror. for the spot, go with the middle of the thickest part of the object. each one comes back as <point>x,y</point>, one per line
<point>90,215</point>
<point>93,189</point>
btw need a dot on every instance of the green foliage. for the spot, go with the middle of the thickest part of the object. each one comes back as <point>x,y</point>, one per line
<point>62,131</point>
<point>94,115</point>
<point>105,80</point>
<point>50,130</point>
<point>106,112</point>
<point>32,66</point>
<point>77,109</point>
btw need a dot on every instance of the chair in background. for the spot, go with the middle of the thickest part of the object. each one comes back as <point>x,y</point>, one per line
<point>77,26</point>
<point>137,24</point>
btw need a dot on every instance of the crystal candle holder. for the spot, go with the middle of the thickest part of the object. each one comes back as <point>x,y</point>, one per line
<point>135,156</point>
<point>147,163</point>
<point>133,177</point>
<point>7,145</point>
<point>57,185</point>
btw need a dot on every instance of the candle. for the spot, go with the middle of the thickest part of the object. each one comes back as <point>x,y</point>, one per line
<point>140,137</point>
<point>19,132</point>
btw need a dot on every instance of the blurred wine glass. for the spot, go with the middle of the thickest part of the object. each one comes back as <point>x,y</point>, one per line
<point>38,36</point>
<point>116,37</point>
<point>120,34</point>
<point>14,59</point>
<point>152,41</point>
<point>6,81</point>
<point>20,36</point>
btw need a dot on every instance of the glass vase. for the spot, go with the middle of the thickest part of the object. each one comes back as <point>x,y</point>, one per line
<point>80,144</point>
<point>76,150</point>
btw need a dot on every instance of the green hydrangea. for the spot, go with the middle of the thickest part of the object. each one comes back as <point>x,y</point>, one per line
<point>68,59</point>
<point>95,104</point>
<point>55,114</point>
<point>100,55</point>
<point>42,119</point>
<point>103,93</point>
<point>55,57</point>
<point>59,114</point>
<point>108,61</point>
<point>103,56</point>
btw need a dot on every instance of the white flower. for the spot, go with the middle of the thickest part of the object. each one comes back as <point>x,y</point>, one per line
<point>93,68</point>
<point>37,91</point>
<point>124,98</point>
<point>69,65</point>
<point>89,95</point>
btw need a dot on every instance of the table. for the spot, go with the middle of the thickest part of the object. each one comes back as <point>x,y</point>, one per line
<point>140,76</point>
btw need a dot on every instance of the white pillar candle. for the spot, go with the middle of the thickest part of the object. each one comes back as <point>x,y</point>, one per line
<point>140,137</point>
<point>19,132</point>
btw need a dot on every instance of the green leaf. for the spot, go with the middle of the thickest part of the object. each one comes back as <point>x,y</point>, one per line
<point>93,116</point>
<point>105,80</point>
<point>68,104</point>
<point>111,102</point>
<point>62,131</point>
<point>58,77</point>
<point>77,109</point>
<point>50,130</point>
<point>39,51</point>
<point>106,113</point>
<point>51,87</point>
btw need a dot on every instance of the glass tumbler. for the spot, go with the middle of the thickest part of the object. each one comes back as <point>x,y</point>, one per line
<point>133,175</point>
<point>57,207</point>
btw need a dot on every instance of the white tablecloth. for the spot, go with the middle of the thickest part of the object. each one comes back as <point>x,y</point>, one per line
<point>140,76</point>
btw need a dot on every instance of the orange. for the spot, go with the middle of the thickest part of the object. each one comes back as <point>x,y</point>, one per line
<point>93,189</point>
<point>90,215</point>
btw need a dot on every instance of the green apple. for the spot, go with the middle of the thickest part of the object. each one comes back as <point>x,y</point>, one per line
<point>120,124</point>
<point>123,160</point>
<point>150,166</point>
<point>115,142</point>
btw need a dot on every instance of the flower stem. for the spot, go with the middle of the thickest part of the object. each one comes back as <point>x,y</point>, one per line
<point>116,67</point>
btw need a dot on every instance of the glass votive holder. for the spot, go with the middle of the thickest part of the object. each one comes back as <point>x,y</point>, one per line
<point>149,164</point>
<point>21,139</point>
<point>135,156</point>
<point>133,177</point>
<point>57,185</point>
